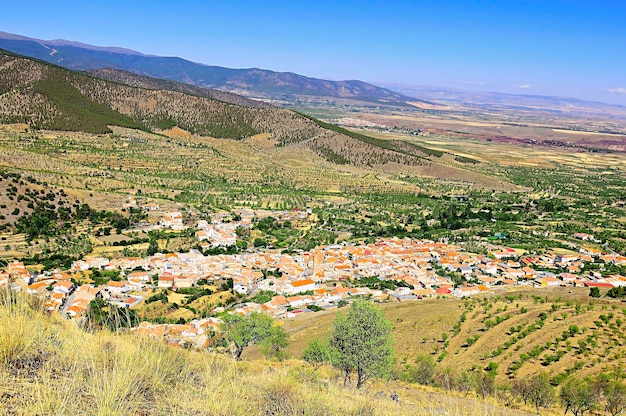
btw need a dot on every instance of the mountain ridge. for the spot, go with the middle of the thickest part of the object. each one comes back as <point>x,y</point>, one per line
<point>272,85</point>
<point>47,96</point>
<point>502,100</point>
<point>142,81</point>
<point>252,81</point>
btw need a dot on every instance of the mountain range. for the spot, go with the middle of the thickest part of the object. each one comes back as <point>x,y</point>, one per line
<point>498,101</point>
<point>47,96</point>
<point>262,84</point>
<point>253,82</point>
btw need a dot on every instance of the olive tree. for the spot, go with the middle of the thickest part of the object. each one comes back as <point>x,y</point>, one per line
<point>272,346</point>
<point>254,329</point>
<point>541,391</point>
<point>363,342</point>
<point>579,396</point>
<point>317,353</point>
<point>614,398</point>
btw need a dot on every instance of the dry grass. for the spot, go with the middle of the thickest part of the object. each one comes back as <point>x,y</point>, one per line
<point>49,366</point>
<point>419,328</point>
<point>417,325</point>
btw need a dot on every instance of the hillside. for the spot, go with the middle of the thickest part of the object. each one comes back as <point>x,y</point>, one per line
<point>45,96</point>
<point>149,83</point>
<point>251,81</point>
<point>564,333</point>
<point>74,371</point>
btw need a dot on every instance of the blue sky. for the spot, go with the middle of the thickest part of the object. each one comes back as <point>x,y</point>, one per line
<point>547,47</point>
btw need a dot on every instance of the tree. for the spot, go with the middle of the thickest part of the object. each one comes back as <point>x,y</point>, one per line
<point>594,292</point>
<point>522,388</point>
<point>541,392</point>
<point>615,398</point>
<point>259,242</point>
<point>254,329</point>
<point>317,352</point>
<point>363,342</point>
<point>153,247</point>
<point>272,346</point>
<point>578,397</point>
<point>485,384</point>
<point>424,370</point>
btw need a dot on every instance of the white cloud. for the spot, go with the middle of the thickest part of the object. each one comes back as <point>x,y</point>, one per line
<point>524,86</point>
<point>618,91</point>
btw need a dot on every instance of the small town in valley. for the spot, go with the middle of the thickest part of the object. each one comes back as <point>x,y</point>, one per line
<point>290,285</point>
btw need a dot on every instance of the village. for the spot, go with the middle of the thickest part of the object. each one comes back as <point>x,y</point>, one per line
<point>319,279</point>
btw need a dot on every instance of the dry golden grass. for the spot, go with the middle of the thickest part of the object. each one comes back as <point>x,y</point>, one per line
<point>49,366</point>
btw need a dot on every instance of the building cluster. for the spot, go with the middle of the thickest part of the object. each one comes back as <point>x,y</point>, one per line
<point>198,333</point>
<point>322,278</point>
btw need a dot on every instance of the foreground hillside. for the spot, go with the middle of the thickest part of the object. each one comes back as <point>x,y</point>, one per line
<point>519,333</point>
<point>49,366</point>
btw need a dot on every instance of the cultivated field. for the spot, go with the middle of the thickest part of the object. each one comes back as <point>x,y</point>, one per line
<point>557,330</point>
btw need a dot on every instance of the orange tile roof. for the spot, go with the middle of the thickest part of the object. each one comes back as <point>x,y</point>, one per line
<point>37,285</point>
<point>64,283</point>
<point>300,283</point>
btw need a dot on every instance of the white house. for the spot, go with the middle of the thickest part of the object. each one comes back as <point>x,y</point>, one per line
<point>299,286</point>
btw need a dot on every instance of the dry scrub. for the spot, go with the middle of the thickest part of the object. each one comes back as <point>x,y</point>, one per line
<point>50,366</point>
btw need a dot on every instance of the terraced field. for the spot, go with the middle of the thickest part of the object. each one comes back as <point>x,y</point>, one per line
<point>563,332</point>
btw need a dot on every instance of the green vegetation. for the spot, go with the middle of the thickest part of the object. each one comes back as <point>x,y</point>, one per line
<point>263,296</point>
<point>103,315</point>
<point>617,292</point>
<point>330,155</point>
<point>373,282</point>
<point>464,159</point>
<point>360,341</point>
<point>318,353</point>
<point>254,329</point>
<point>76,112</point>
<point>579,397</point>
<point>363,342</point>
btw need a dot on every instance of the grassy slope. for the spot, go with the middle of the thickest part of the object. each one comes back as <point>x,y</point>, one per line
<point>419,329</point>
<point>49,366</point>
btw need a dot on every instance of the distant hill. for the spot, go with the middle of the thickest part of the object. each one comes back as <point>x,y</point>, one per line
<point>47,96</point>
<point>251,82</point>
<point>513,102</point>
